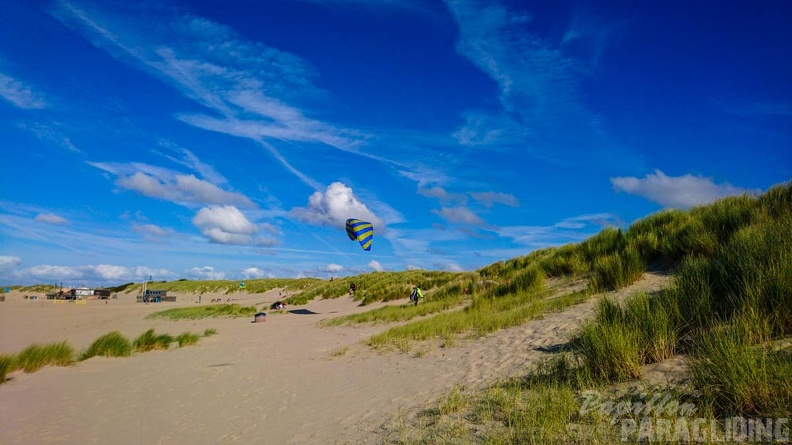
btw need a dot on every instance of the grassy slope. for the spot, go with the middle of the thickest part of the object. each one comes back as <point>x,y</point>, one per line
<point>729,304</point>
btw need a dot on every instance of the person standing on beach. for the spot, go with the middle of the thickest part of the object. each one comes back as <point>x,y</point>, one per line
<point>415,295</point>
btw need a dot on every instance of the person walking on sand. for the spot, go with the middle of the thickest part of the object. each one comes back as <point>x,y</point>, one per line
<point>415,295</point>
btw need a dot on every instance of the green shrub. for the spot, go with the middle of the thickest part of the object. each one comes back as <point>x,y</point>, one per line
<point>210,332</point>
<point>112,344</point>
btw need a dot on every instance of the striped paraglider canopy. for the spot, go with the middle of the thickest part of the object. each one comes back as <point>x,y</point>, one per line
<point>362,231</point>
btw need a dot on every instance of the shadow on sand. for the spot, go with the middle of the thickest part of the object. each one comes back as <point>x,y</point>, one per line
<point>303,312</point>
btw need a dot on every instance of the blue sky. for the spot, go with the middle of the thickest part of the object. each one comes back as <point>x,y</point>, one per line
<point>182,139</point>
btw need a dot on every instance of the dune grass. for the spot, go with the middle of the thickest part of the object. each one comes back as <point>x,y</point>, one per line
<point>208,332</point>
<point>7,365</point>
<point>739,377</point>
<point>197,312</point>
<point>149,341</point>
<point>187,339</point>
<point>35,356</point>
<point>728,308</point>
<point>390,314</point>
<point>112,344</point>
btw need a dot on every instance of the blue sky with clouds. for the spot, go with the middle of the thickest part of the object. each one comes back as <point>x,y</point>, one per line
<point>192,139</point>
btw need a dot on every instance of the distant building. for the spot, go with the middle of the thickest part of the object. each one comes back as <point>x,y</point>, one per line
<point>102,293</point>
<point>154,296</point>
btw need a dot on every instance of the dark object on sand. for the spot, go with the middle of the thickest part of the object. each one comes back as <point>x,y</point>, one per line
<point>261,317</point>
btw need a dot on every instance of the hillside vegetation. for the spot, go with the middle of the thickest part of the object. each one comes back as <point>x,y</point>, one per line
<point>728,309</point>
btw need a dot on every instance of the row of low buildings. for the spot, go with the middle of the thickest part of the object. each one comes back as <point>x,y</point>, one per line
<point>79,293</point>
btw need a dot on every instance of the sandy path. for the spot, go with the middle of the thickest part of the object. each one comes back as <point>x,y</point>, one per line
<point>272,383</point>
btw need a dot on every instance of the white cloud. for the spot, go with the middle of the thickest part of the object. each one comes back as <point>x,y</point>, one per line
<point>48,273</point>
<point>453,267</point>
<point>375,265</point>
<point>107,272</point>
<point>20,94</point>
<point>152,231</point>
<point>334,207</point>
<point>460,215</point>
<point>9,262</point>
<point>189,160</point>
<point>490,198</point>
<point>538,89</point>
<point>51,218</point>
<point>142,272</point>
<point>332,267</point>
<point>225,225</point>
<point>254,272</point>
<point>49,132</point>
<point>162,183</point>
<point>442,195</point>
<point>678,192</point>
<point>101,273</point>
<point>569,230</point>
<point>205,273</point>
<point>414,267</point>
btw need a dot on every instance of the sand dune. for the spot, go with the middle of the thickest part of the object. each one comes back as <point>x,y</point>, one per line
<point>277,382</point>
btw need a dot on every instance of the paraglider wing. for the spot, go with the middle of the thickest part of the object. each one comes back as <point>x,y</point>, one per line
<point>362,231</point>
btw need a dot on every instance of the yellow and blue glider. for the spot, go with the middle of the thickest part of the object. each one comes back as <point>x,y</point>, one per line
<point>362,231</point>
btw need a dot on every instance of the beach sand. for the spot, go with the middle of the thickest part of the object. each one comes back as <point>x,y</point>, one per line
<point>284,381</point>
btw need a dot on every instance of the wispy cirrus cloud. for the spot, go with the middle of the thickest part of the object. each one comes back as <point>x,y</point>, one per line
<point>152,232</point>
<point>50,133</point>
<point>488,199</point>
<point>168,185</point>
<point>538,88</point>
<point>677,191</point>
<point>20,94</point>
<point>246,85</point>
<point>460,215</point>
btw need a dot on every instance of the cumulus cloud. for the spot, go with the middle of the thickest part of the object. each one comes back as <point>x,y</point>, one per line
<point>146,272</point>
<point>20,94</point>
<point>51,218</point>
<point>460,215</point>
<point>254,272</point>
<point>334,207</point>
<point>225,225</point>
<point>678,192</point>
<point>332,267</point>
<point>49,273</point>
<point>414,267</point>
<point>101,273</point>
<point>491,198</point>
<point>9,262</point>
<point>375,265</point>
<point>205,273</point>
